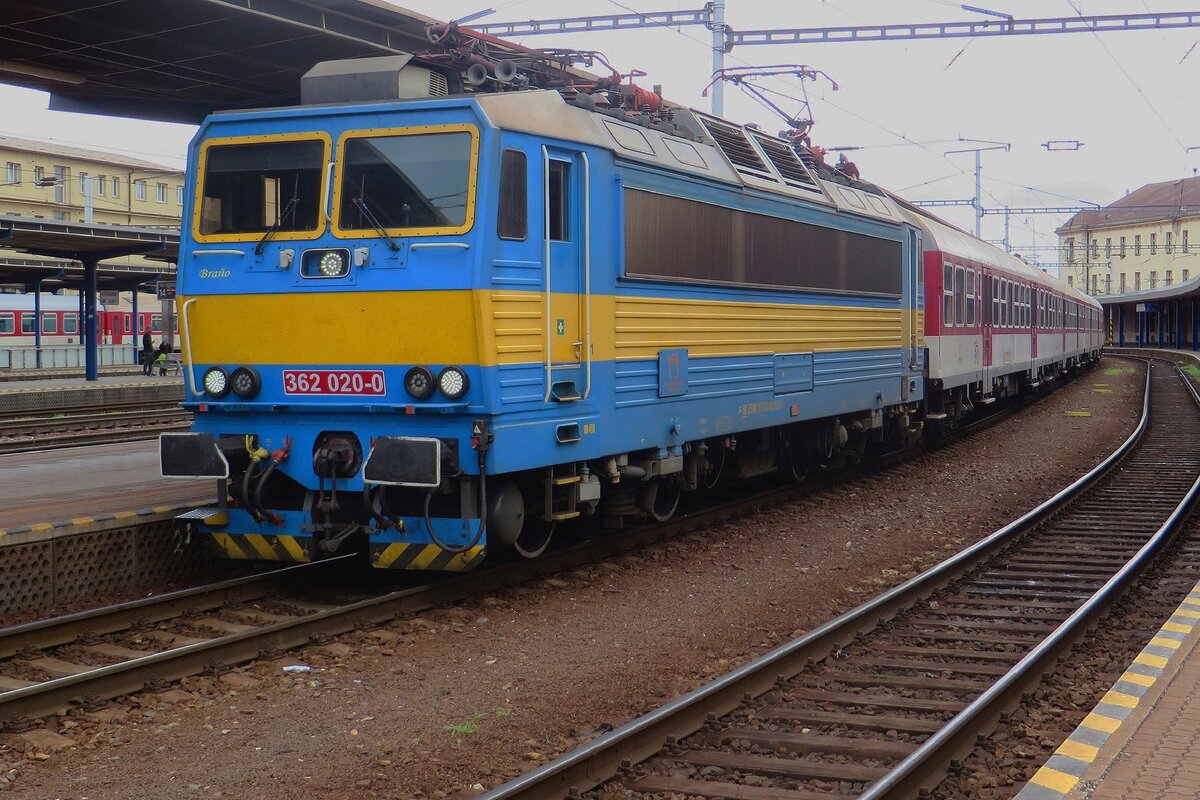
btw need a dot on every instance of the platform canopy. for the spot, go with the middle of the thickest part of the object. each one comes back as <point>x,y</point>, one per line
<point>179,60</point>
<point>65,242</point>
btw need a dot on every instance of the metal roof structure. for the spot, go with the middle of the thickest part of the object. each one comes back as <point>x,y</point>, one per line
<point>82,242</point>
<point>181,60</point>
<point>1150,203</point>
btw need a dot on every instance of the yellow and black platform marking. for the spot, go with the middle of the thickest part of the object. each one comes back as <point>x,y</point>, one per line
<point>425,556</point>
<point>1062,771</point>
<point>83,524</point>
<point>263,547</point>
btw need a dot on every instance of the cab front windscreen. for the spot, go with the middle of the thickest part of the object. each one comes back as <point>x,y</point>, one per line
<point>249,188</point>
<point>406,182</point>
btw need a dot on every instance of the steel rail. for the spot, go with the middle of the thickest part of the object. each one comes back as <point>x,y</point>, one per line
<point>925,766</point>
<point>641,738</point>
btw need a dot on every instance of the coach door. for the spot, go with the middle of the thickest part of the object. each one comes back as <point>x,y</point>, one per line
<point>567,274</point>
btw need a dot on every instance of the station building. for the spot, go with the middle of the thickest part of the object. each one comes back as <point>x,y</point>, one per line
<point>1149,239</point>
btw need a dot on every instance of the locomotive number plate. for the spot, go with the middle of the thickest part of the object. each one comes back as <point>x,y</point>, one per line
<point>368,382</point>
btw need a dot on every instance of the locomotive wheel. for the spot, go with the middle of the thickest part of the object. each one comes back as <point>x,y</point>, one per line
<point>712,475</point>
<point>797,457</point>
<point>535,538</point>
<point>661,499</point>
<point>536,532</point>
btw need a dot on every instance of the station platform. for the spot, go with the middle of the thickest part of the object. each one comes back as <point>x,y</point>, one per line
<point>1142,740</point>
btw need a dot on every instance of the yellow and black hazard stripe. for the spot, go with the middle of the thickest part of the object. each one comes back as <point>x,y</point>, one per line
<point>424,556</point>
<point>260,547</point>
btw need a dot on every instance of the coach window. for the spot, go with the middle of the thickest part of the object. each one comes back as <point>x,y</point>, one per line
<point>997,317</point>
<point>971,298</point>
<point>512,222</point>
<point>959,296</point>
<point>49,323</point>
<point>1012,309</point>
<point>7,324</point>
<point>128,323</point>
<point>156,323</point>
<point>947,295</point>
<point>27,323</point>
<point>71,323</point>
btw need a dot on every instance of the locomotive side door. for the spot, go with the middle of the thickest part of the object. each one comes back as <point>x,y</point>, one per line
<point>567,274</point>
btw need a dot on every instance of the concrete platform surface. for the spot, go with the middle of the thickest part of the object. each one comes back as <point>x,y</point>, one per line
<point>46,487</point>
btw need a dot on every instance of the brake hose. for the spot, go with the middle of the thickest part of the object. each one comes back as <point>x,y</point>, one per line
<point>482,516</point>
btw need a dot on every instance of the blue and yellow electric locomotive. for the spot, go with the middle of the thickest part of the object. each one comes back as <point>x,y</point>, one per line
<point>439,320</point>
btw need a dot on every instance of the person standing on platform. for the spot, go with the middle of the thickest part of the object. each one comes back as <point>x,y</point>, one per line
<point>147,353</point>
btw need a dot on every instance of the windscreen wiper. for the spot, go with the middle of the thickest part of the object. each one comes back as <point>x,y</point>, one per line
<point>271,231</point>
<point>365,210</point>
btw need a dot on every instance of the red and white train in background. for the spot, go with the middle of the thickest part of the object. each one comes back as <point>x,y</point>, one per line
<point>994,324</point>
<point>60,321</point>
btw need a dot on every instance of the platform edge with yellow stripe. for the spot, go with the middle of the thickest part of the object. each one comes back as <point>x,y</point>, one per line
<point>1078,754</point>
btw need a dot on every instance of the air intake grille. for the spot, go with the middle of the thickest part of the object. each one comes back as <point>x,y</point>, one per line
<point>438,87</point>
<point>786,161</point>
<point>733,142</point>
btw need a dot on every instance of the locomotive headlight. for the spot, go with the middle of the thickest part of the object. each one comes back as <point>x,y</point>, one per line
<point>216,382</point>
<point>453,382</point>
<point>420,383</point>
<point>325,264</point>
<point>332,264</point>
<point>245,382</point>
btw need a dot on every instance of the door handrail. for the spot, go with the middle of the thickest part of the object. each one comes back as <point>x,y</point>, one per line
<point>549,298</point>
<point>587,273</point>
<point>189,373</point>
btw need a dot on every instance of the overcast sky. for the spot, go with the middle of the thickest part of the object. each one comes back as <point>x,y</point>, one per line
<point>1130,97</point>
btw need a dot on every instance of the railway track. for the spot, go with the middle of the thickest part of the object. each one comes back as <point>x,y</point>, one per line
<point>49,665</point>
<point>71,428</point>
<point>881,701</point>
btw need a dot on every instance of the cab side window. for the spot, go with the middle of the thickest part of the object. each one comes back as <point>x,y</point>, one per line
<point>513,219</point>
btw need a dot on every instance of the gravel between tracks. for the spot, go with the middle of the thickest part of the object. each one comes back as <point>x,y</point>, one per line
<point>475,693</point>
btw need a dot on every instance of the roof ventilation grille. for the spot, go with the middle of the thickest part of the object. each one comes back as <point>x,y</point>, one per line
<point>732,140</point>
<point>786,161</point>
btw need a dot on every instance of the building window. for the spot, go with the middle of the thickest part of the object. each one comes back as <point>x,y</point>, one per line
<point>1153,243</point>
<point>1137,245</point>
<point>1108,284</point>
<point>1168,277</point>
<point>60,184</point>
<point>1122,282</point>
<point>1108,247</point>
<point>178,195</point>
<point>1122,247</point>
<point>39,174</point>
<point>13,174</point>
<point>1137,281</point>
<point>83,183</point>
<point>139,190</point>
<point>160,192</point>
<point>1070,280</point>
<point>1167,242</point>
<point>116,187</point>
<point>1070,249</point>
<point>1153,278</point>
<point>1095,284</point>
<point>1095,248</point>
